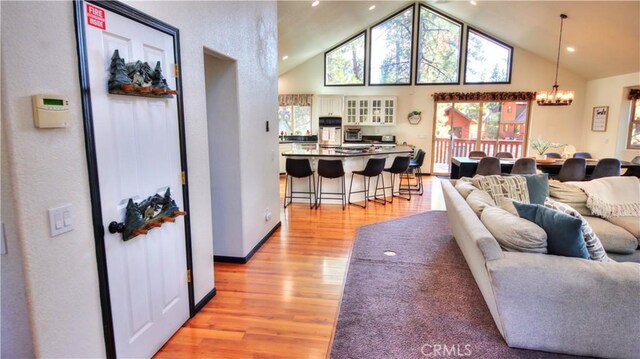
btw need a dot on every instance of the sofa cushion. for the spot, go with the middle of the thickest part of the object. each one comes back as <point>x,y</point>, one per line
<point>614,239</point>
<point>507,204</point>
<point>514,187</point>
<point>479,200</point>
<point>594,246</point>
<point>580,207</point>
<point>465,188</point>
<point>564,232</point>
<point>566,193</point>
<point>631,224</point>
<point>514,233</point>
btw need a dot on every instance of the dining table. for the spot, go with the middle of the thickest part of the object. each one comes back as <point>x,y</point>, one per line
<point>466,166</point>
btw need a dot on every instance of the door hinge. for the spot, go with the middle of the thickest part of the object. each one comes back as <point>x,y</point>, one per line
<point>188,275</point>
<point>184,177</point>
<point>177,70</point>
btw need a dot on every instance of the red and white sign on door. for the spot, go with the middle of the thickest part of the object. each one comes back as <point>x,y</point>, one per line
<point>96,17</point>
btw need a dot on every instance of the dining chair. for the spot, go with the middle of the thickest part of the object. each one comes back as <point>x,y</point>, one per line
<point>573,169</point>
<point>489,166</point>
<point>524,166</point>
<point>585,155</point>
<point>504,155</point>
<point>477,154</point>
<point>553,155</point>
<point>636,160</point>
<point>606,167</point>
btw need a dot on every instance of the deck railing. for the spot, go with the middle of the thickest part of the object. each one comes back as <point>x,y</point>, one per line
<point>462,147</point>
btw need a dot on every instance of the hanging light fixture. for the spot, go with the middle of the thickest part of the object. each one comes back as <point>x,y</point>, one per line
<point>556,97</point>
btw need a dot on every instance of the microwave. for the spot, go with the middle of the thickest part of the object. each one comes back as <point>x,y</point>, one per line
<point>353,135</point>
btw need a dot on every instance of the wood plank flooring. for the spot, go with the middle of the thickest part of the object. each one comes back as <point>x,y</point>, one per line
<point>284,302</point>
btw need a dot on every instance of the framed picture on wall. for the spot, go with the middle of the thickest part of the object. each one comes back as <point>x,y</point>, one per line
<point>599,118</point>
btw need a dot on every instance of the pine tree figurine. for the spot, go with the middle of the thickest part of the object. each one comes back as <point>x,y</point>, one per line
<point>119,80</point>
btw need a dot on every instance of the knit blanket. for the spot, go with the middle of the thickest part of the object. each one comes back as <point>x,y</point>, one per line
<point>612,196</point>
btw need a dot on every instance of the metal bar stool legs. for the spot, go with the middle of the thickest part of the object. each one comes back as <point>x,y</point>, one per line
<point>374,168</point>
<point>399,167</point>
<point>299,168</point>
<point>343,194</point>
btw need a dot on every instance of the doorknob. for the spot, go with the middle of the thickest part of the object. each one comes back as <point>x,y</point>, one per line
<point>115,227</point>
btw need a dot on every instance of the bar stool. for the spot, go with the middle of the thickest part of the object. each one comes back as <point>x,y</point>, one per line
<point>399,167</point>
<point>330,169</point>
<point>415,167</point>
<point>374,168</point>
<point>299,168</point>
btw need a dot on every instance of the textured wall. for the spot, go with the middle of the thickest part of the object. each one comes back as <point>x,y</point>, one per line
<point>530,73</point>
<point>49,166</point>
<point>612,92</point>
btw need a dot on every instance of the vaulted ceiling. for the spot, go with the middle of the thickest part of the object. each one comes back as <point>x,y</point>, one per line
<point>605,34</point>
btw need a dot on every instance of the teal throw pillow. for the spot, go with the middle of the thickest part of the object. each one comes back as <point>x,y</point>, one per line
<point>564,232</point>
<point>538,186</point>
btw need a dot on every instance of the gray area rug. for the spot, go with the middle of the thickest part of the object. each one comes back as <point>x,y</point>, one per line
<point>421,303</point>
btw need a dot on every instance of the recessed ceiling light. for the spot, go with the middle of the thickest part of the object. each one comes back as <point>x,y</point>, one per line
<point>372,7</point>
<point>285,57</point>
<point>315,3</point>
<point>472,2</point>
<point>571,49</point>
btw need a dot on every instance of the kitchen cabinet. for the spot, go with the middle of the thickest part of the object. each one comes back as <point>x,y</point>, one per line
<point>283,147</point>
<point>330,106</point>
<point>370,111</point>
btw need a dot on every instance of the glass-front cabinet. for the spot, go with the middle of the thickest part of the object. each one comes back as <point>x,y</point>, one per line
<point>370,111</point>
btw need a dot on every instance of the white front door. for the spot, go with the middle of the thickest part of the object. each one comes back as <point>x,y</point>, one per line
<point>138,155</point>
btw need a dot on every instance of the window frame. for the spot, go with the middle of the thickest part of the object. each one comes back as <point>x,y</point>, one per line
<point>293,119</point>
<point>460,55</point>
<point>411,56</point>
<point>364,72</point>
<point>632,122</point>
<point>492,39</point>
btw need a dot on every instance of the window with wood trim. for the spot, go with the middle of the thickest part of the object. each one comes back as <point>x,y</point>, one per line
<point>633,141</point>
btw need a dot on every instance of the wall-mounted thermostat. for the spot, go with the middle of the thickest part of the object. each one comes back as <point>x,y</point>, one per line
<point>51,111</point>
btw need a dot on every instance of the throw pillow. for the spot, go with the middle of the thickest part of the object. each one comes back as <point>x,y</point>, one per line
<point>514,187</point>
<point>538,186</point>
<point>594,246</point>
<point>465,188</point>
<point>507,204</point>
<point>564,232</point>
<point>478,200</point>
<point>514,233</point>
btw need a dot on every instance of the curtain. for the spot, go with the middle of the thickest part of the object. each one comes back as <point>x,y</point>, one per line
<point>634,94</point>
<point>483,96</point>
<point>295,100</point>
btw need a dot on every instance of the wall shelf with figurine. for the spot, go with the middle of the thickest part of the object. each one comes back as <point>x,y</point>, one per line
<point>151,213</point>
<point>137,79</point>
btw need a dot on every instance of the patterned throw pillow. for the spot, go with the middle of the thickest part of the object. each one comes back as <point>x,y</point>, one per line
<point>514,187</point>
<point>594,246</point>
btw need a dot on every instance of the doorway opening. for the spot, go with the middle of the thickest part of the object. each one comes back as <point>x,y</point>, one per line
<point>221,90</point>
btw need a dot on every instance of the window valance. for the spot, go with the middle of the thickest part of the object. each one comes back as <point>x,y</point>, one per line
<point>295,100</point>
<point>483,96</point>
<point>634,94</point>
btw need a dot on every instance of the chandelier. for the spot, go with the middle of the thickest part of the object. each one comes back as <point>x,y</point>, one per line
<point>555,97</point>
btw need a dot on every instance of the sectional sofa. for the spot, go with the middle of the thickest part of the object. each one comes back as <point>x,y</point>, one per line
<point>548,302</point>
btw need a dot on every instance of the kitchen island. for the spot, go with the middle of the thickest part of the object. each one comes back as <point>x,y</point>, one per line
<point>353,159</point>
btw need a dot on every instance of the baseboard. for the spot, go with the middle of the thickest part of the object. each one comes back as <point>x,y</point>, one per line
<point>245,259</point>
<point>204,301</point>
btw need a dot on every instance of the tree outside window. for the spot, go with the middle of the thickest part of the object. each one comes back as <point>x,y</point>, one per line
<point>488,60</point>
<point>439,41</point>
<point>634,126</point>
<point>294,120</point>
<point>344,64</point>
<point>391,46</point>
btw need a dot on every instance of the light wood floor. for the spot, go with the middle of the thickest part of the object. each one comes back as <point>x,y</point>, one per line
<point>284,302</point>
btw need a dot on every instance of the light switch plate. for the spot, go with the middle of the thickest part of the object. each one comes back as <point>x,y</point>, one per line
<point>61,219</point>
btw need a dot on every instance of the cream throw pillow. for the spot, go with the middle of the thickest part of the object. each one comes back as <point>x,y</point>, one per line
<point>478,200</point>
<point>465,188</point>
<point>514,233</point>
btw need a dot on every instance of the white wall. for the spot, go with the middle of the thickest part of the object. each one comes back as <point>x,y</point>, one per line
<point>49,166</point>
<point>530,73</point>
<point>612,92</point>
